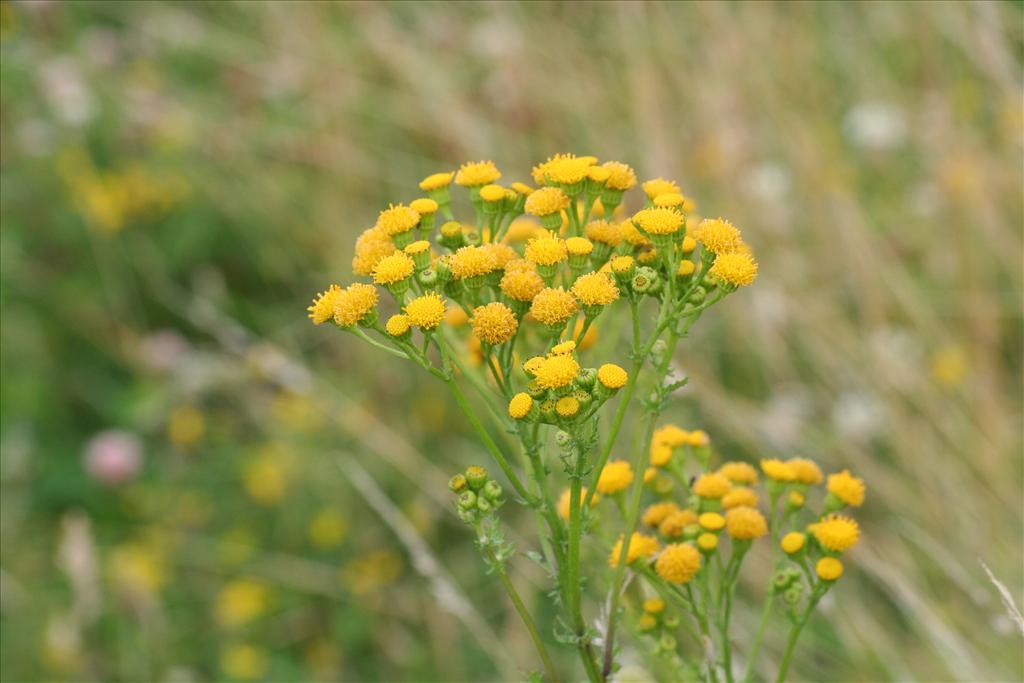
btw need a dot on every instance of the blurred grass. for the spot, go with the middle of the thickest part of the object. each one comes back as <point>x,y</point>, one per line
<point>204,169</point>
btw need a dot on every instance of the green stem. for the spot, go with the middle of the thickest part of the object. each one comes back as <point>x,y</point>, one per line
<point>758,635</point>
<point>574,588</point>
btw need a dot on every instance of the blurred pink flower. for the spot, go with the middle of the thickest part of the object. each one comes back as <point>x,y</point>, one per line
<point>113,457</point>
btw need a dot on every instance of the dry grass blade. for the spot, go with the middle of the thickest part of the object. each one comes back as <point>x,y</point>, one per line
<point>1004,593</point>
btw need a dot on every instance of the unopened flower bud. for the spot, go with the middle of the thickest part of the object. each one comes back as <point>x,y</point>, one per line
<point>793,594</point>
<point>586,378</point>
<point>457,483</point>
<point>467,500</point>
<point>476,476</point>
<point>484,505</point>
<point>697,295</point>
<point>562,438</point>
<point>492,491</point>
<point>427,277</point>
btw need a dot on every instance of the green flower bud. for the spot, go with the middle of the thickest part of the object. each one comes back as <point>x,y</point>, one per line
<point>476,476</point>
<point>492,491</point>
<point>467,500</point>
<point>457,483</point>
<point>427,277</point>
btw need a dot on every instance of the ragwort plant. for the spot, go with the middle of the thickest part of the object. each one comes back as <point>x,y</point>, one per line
<point>537,289</point>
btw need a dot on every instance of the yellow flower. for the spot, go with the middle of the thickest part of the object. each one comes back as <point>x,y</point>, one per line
<point>477,173</point>
<point>656,513</point>
<point>322,309</point>
<point>521,285</point>
<point>707,542</point>
<point>546,250</point>
<point>521,189</point>
<point>622,176</point>
<point>552,306</point>
<point>424,206</point>
<point>806,471</point>
<point>243,662</point>
<point>670,435</point>
<point>622,264</point>
<point>371,246</point>
<point>567,406</point>
<point>674,525</point>
<point>718,235</point>
<point>712,521</point>
<point>579,246</point>
<point>604,232</point>
<point>436,181</point>
<point>829,569</point>
<point>492,193</point>
<point>546,201</point>
<point>136,569</point>
<point>633,236</point>
<point>417,247</point>
<point>778,470</point>
<point>396,219</point>
<point>654,605</point>
<point>697,438</point>
<point>640,545</point>
<point>847,488</point>
<point>589,338</point>
<point>595,289</point>
<point>563,348</point>
<point>738,472</point>
<point>837,532</point>
<point>354,304</point>
<point>658,221</point>
<point>795,499</point>
<point>793,542</point>
<point>469,262</point>
<point>556,372</point>
<point>612,376</point>
<point>745,523</point>
<point>185,426</point>
<point>520,405</point>
<point>661,454</point>
<point>563,501</point>
<point>239,602</point>
<point>711,485</point>
<point>521,230</point>
<point>397,325</point>
<point>426,312</point>
<point>494,323</point>
<point>567,170</point>
<point>678,563</point>
<point>646,622</point>
<point>327,529</point>
<point>531,365</point>
<point>599,174</point>
<point>393,268</point>
<point>615,477</point>
<point>539,172</point>
<point>502,253</point>
<point>657,186</point>
<point>736,269</point>
<point>738,497</point>
<point>266,478</point>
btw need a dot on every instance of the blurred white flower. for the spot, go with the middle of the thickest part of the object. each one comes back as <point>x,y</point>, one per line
<point>785,415</point>
<point>858,416</point>
<point>66,91</point>
<point>875,125</point>
<point>768,181</point>
<point>113,457</point>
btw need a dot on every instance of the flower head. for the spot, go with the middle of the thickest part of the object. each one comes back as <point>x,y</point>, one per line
<point>678,563</point>
<point>633,236</point>
<point>654,605</point>
<point>806,471</point>
<point>656,513</point>
<point>546,250</point>
<point>778,470</point>
<point>595,289</point>
<point>793,542</point>
<point>579,246</point>
<point>521,285</point>
<point>567,406</point>
<point>469,262</point>
<point>563,348</point>
<point>546,201</point>
<point>829,569</point>
<point>552,306</point>
<point>397,325</point>
<point>354,304</point>
<point>371,246</point>
<point>494,323</point>
<point>622,176</point>
<point>739,496</point>
<point>745,523</point>
<point>394,268</point>
<point>652,188</point>
<point>520,406</point>
<point>436,181</point>
<point>615,477</point>
<point>718,235</point>
<point>503,254</point>
<point>658,221</point>
<point>847,488</point>
<point>640,545</point>
<point>566,497</point>
<point>322,309</point>
<point>604,232</point>
<point>736,269</point>
<point>837,532</point>
<point>567,170</point>
<point>426,312</point>
<point>711,485</point>
<point>674,525</point>
<point>555,372</point>
<point>739,472</point>
<point>612,376</point>
<point>397,218</point>
<point>492,193</point>
<point>477,173</point>
<point>712,521</point>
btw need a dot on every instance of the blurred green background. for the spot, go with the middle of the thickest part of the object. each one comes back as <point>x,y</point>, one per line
<point>197,484</point>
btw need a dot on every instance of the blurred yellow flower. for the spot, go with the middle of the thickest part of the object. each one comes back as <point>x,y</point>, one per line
<point>240,601</point>
<point>327,529</point>
<point>136,569</point>
<point>244,662</point>
<point>185,426</point>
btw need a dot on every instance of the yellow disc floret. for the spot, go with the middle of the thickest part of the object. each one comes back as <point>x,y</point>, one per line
<point>837,532</point>
<point>566,498</point>
<point>397,325</point>
<point>521,285</point>
<point>520,406</point>
<point>674,525</point>
<point>711,485</point>
<point>477,173</point>
<point>739,472</point>
<point>354,304</point>
<point>546,250</point>
<point>579,246</point>
<point>393,268</point>
<point>829,569</point>
<point>546,201</point>
<point>612,376</point>
<point>718,235</point>
<point>469,262</point>
<point>658,221</point>
<point>622,176</point>
<point>678,563</point>
<point>436,181</point>
<point>806,471</point>
<point>426,312</point>
<point>556,372</point>
<point>553,305</point>
<point>778,470</point>
<point>397,218</point>
<point>371,246</point>
<point>657,186</point>
<point>615,477</point>
<point>424,206</point>
<point>738,497</point>
<point>604,232</point>
<point>640,546</point>
<point>322,309</point>
<point>847,488</point>
<point>793,542</point>
<point>494,323</point>
<point>712,521</point>
<point>656,513</point>
<point>567,406</point>
<point>595,289</point>
<point>745,523</point>
<point>736,269</point>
